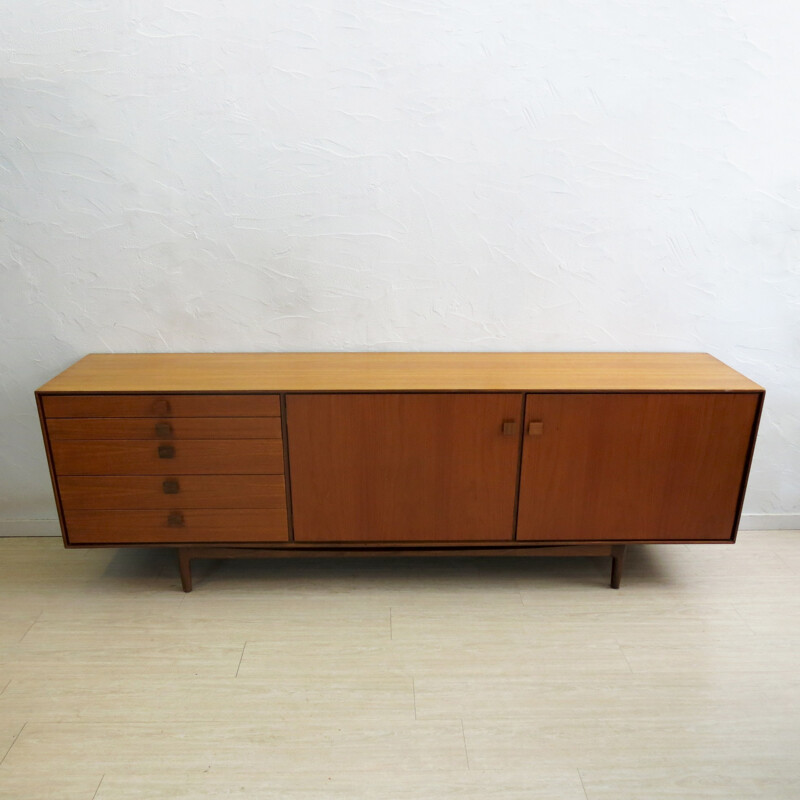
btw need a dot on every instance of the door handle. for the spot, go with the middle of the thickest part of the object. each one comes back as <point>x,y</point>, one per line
<point>535,427</point>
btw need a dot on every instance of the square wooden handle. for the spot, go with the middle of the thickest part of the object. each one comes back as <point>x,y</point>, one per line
<point>163,430</point>
<point>535,427</point>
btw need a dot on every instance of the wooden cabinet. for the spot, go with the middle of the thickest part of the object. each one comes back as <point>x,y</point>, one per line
<point>294,454</point>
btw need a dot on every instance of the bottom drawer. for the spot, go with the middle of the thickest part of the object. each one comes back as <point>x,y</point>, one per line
<point>177,526</point>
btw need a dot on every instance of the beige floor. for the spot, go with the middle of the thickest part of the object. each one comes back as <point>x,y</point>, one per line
<point>401,679</point>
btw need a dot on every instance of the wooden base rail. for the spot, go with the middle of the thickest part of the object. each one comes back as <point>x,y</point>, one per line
<point>187,554</point>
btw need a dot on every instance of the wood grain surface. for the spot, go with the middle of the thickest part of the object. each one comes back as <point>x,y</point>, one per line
<point>292,372</point>
<point>169,428</point>
<point>637,466</point>
<point>191,457</point>
<point>402,467</point>
<point>196,525</point>
<point>187,491</point>
<point>162,406</point>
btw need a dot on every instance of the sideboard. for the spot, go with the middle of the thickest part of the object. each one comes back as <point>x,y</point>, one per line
<point>292,454</point>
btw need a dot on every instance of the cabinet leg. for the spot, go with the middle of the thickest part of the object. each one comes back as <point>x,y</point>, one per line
<point>185,566</point>
<point>617,560</point>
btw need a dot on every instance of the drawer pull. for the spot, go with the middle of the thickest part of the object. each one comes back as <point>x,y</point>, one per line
<point>175,519</point>
<point>535,427</point>
<point>166,451</point>
<point>161,406</point>
<point>509,427</point>
<point>170,486</point>
<point>163,430</point>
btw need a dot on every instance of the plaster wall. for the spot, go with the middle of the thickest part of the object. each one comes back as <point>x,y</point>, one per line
<point>399,175</point>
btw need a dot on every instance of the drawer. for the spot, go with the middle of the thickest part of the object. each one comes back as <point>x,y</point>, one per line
<point>187,491</point>
<point>162,405</point>
<point>185,457</point>
<point>177,525</point>
<point>164,428</point>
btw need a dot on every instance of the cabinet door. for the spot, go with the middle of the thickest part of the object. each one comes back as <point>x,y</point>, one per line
<point>633,466</point>
<point>403,467</point>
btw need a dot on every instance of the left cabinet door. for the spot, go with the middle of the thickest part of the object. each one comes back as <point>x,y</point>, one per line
<point>403,467</point>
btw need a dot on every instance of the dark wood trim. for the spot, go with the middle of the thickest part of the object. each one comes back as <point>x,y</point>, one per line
<point>748,462</point>
<point>316,551</point>
<point>419,548</point>
<point>287,473</point>
<point>187,554</point>
<point>185,568</point>
<point>520,445</point>
<point>53,479</point>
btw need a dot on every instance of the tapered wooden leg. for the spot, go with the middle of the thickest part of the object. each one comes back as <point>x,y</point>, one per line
<point>617,560</point>
<point>185,566</point>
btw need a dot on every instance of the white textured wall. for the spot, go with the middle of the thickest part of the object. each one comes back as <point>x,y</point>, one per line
<point>399,174</point>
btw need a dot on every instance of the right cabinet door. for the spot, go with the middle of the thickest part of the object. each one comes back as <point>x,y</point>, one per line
<point>650,467</point>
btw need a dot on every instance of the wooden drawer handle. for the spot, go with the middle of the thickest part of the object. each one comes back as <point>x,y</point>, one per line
<point>175,519</point>
<point>509,427</point>
<point>163,430</point>
<point>535,427</point>
<point>166,451</point>
<point>171,486</point>
<point>160,407</point>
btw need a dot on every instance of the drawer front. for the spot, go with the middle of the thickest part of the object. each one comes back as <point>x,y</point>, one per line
<point>165,428</point>
<point>185,457</point>
<point>187,491</point>
<point>177,526</point>
<point>162,405</point>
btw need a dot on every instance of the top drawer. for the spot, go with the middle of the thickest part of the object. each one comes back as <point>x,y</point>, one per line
<point>162,405</point>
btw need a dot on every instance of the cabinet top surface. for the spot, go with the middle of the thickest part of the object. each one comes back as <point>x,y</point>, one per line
<point>325,372</point>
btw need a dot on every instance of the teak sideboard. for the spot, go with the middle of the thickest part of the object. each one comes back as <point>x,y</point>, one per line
<point>290,454</point>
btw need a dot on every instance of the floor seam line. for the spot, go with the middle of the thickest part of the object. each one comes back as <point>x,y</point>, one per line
<point>464,737</point>
<point>16,739</point>
<point>744,621</point>
<point>102,778</point>
<point>622,651</point>
<point>38,617</point>
<point>239,665</point>
<point>583,785</point>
